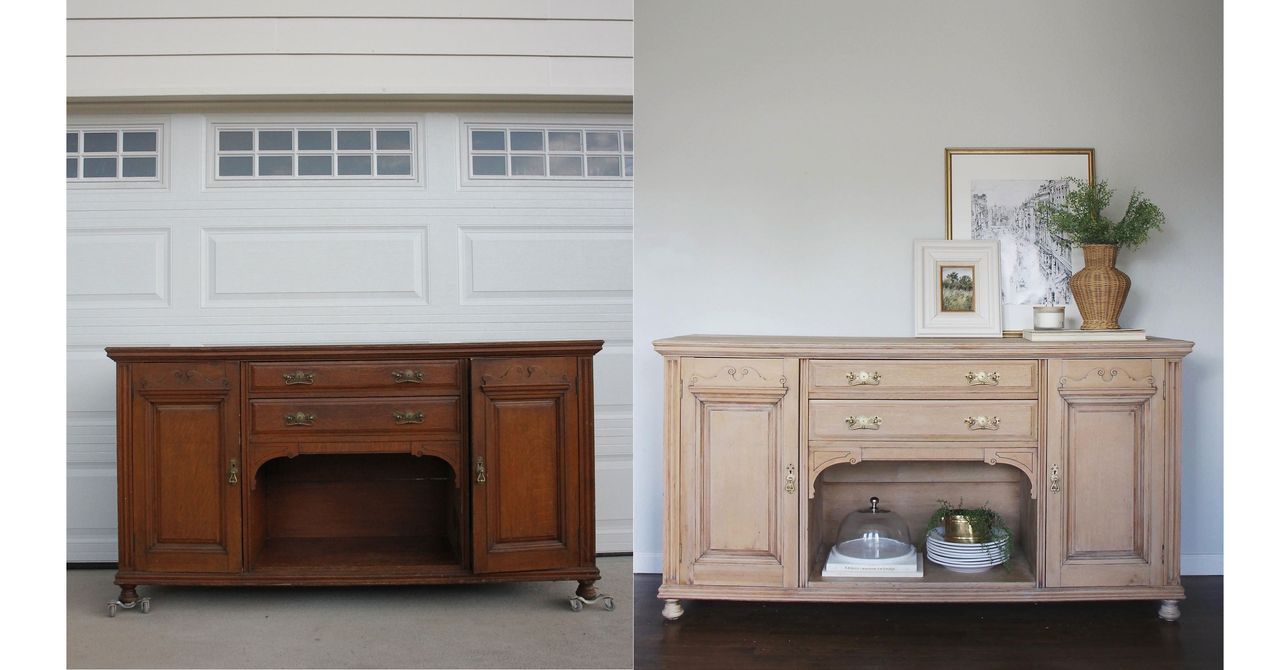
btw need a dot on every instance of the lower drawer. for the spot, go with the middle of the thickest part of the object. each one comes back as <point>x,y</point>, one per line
<point>923,420</point>
<point>326,417</point>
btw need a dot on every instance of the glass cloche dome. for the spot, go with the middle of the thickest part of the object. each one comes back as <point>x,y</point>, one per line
<point>874,534</point>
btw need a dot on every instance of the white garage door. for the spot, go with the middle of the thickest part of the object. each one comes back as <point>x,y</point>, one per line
<point>291,228</point>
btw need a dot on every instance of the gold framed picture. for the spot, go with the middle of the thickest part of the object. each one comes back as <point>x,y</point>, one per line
<point>994,194</point>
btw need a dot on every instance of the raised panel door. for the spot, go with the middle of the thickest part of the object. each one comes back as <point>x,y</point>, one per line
<point>1105,469</point>
<point>525,464</point>
<point>185,494</point>
<point>738,474</point>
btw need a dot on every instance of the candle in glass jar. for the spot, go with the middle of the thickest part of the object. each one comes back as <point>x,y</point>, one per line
<point>1050,317</point>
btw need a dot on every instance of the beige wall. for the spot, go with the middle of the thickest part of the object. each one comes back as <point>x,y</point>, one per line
<point>792,151</point>
<point>427,48</point>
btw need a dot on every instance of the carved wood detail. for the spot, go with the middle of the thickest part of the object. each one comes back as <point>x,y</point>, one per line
<point>740,375</point>
<point>523,374</point>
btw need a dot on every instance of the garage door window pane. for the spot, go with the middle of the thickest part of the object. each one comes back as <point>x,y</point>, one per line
<point>603,166</point>
<point>73,168</point>
<point>235,140</point>
<point>99,167</point>
<point>140,141</point>
<point>393,165</point>
<point>525,140</point>
<point>564,141</point>
<point>99,142</point>
<point>528,166</point>
<point>139,166</point>
<point>311,166</point>
<point>353,140</point>
<point>394,140</point>
<point>355,165</point>
<point>275,166</point>
<point>235,166</point>
<point>73,142</point>
<point>566,166</point>
<point>315,140</point>
<point>488,140</point>
<point>602,141</point>
<point>489,166</point>
<point>275,140</point>
<point>628,166</point>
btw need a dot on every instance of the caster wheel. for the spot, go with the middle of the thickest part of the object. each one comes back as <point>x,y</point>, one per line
<point>112,608</point>
<point>608,603</point>
<point>575,604</point>
<point>146,606</point>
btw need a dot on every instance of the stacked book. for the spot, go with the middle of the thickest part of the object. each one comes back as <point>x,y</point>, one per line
<point>910,564</point>
<point>1117,335</point>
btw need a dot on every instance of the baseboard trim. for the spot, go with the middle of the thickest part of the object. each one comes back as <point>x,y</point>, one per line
<point>83,565</point>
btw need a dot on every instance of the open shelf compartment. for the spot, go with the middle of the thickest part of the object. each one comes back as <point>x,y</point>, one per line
<point>340,512</point>
<point>912,490</point>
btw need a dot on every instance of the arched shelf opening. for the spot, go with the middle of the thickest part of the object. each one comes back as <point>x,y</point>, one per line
<point>913,489</point>
<point>393,510</point>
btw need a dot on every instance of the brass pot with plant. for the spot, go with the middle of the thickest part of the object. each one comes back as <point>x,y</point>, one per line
<point>972,525</point>
<point>1099,288</point>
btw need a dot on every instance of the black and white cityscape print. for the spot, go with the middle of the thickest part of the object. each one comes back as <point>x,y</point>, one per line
<point>1035,264</point>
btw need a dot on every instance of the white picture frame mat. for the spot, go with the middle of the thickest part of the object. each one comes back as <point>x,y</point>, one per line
<point>985,166</point>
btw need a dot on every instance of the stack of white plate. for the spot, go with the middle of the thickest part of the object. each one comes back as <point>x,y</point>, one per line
<point>965,557</point>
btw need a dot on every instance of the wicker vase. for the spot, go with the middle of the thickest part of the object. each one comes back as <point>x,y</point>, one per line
<point>1099,288</point>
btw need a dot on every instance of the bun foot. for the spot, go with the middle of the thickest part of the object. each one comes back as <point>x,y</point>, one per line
<point>1169,610</point>
<point>672,610</point>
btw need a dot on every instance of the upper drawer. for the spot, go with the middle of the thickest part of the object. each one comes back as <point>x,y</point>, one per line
<point>923,420</point>
<point>904,379</point>
<point>379,377</point>
<point>325,417</point>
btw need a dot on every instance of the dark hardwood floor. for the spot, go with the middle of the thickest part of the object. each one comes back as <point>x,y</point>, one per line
<point>1093,636</point>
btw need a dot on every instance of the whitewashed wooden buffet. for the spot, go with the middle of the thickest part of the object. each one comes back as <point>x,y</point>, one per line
<point>770,441</point>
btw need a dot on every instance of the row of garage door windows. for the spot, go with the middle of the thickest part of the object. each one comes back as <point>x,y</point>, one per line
<point>133,154</point>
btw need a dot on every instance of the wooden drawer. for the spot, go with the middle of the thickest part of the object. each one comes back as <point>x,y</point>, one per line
<point>325,417</point>
<point>407,377</point>
<point>923,420</point>
<point>881,378</point>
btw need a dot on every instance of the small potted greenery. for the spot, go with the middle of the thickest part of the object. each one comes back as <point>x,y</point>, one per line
<point>1099,288</point>
<point>972,525</point>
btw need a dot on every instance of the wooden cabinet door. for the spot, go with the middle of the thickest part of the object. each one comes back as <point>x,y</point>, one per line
<point>184,505</point>
<point>1106,461</point>
<point>738,484</point>
<point>525,468</point>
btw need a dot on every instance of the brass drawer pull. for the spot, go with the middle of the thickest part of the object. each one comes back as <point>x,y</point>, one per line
<point>408,417</point>
<point>982,423</point>
<point>299,419</point>
<point>863,422</point>
<point>1055,479</point>
<point>233,472</point>
<point>983,378</point>
<point>407,376</point>
<point>480,478</point>
<point>862,377</point>
<point>791,479</point>
<point>299,377</point>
